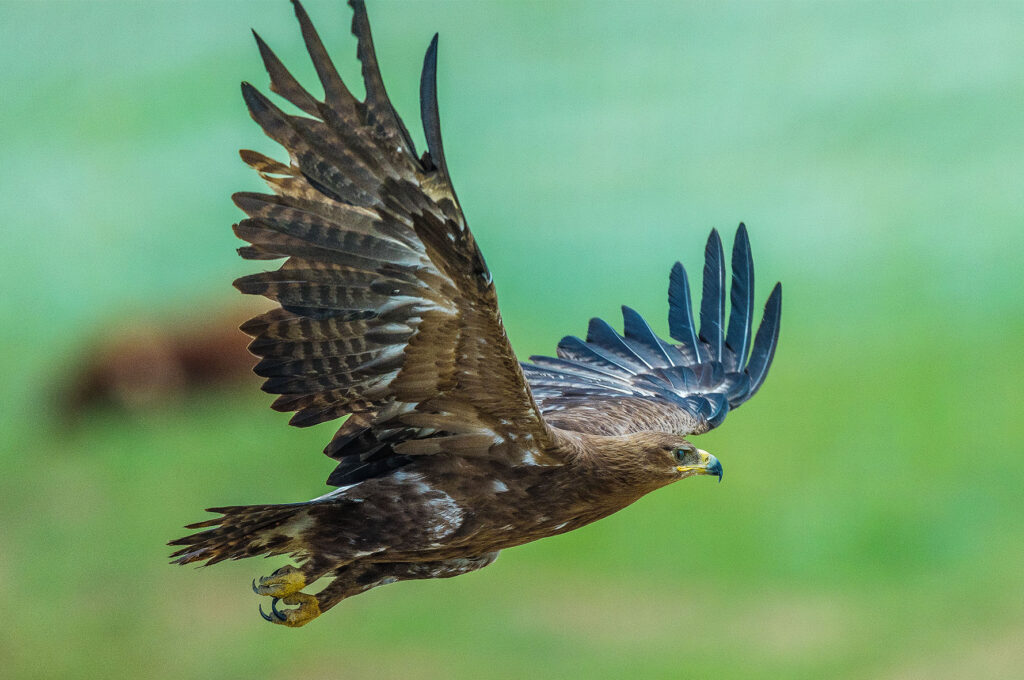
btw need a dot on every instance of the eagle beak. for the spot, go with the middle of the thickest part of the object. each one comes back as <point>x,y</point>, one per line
<point>709,465</point>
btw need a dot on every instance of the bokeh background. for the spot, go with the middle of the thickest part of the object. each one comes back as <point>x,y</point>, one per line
<point>870,524</point>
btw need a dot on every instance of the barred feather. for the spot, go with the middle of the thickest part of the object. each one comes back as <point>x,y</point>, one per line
<point>384,293</point>
<point>242,531</point>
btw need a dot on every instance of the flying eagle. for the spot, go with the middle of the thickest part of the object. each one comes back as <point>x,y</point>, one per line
<point>452,449</point>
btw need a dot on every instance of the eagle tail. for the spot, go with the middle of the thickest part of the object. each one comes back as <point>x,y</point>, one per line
<point>243,531</point>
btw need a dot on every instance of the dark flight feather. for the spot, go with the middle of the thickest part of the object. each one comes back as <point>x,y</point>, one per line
<point>378,105</point>
<point>705,375</point>
<point>712,303</point>
<point>680,314</point>
<point>336,95</point>
<point>741,302</point>
<point>602,335</point>
<point>429,111</point>
<point>283,82</point>
<point>572,347</point>
<point>643,341</point>
<point>765,341</point>
<point>571,371</point>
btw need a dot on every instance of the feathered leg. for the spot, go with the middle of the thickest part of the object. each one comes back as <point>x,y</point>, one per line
<point>358,577</point>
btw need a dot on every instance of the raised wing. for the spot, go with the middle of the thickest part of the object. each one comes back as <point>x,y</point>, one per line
<point>387,310</point>
<point>614,384</point>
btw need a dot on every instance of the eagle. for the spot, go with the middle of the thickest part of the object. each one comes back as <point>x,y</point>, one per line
<point>451,449</point>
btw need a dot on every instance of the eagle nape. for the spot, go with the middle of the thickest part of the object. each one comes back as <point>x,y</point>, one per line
<point>451,449</point>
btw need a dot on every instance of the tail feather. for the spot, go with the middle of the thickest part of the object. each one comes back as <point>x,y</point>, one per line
<point>243,531</point>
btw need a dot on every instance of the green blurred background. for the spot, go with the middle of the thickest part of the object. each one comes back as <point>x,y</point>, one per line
<point>871,522</point>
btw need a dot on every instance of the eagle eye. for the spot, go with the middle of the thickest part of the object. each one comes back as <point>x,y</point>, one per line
<point>682,452</point>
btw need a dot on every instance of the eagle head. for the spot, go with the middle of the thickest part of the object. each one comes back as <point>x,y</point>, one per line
<point>688,460</point>
<point>665,458</point>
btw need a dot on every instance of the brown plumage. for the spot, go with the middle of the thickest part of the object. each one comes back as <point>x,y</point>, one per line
<point>452,449</point>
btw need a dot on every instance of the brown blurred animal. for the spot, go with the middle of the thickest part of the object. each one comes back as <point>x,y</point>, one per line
<point>150,362</point>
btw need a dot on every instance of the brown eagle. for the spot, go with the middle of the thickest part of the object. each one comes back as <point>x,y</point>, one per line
<point>452,449</point>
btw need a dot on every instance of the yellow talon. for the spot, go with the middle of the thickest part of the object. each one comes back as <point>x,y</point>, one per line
<point>281,583</point>
<point>308,609</point>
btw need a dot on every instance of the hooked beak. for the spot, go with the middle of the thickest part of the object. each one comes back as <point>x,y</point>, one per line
<point>708,465</point>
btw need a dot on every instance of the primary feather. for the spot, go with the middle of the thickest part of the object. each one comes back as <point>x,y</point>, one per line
<point>704,375</point>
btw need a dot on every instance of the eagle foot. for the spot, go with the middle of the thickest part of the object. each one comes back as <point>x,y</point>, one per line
<point>308,609</point>
<point>281,583</point>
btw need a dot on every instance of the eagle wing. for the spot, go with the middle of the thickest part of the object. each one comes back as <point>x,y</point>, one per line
<point>613,384</point>
<point>388,311</point>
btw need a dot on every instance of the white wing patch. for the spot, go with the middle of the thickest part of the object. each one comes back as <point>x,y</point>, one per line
<point>447,514</point>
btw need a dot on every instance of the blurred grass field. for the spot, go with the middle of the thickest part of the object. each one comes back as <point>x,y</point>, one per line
<point>869,524</point>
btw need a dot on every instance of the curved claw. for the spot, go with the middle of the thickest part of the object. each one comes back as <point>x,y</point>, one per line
<point>265,617</point>
<point>254,589</point>
<point>273,608</point>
